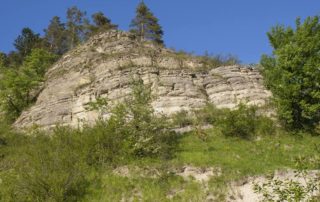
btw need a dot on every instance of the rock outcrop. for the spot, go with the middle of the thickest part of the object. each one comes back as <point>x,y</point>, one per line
<point>105,65</point>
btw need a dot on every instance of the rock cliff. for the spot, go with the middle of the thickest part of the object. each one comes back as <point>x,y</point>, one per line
<point>104,67</point>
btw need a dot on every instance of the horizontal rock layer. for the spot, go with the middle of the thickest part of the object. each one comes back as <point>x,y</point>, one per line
<point>105,66</point>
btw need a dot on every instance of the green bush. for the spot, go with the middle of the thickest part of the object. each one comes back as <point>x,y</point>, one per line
<point>245,122</point>
<point>148,133</point>
<point>135,128</point>
<point>107,139</point>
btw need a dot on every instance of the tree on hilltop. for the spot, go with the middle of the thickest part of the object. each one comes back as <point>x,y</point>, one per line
<point>101,24</point>
<point>145,25</point>
<point>75,26</point>
<point>56,36</point>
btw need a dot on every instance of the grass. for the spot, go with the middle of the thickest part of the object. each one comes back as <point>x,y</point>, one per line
<point>247,157</point>
<point>115,188</point>
<point>237,158</point>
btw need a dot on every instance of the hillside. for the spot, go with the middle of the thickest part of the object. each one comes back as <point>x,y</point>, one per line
<point>105,66</point>
<point>91,113</point>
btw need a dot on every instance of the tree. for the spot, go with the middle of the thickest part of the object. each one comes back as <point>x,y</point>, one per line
<point>101,23</point>
<point>293,74</point>
<point>145,25</point>
<point>27,41</point>
<point>18,88</point>
<point>56,36</point>
<point>3,59</point>
<point>75,26</point>
<point>13,59</point>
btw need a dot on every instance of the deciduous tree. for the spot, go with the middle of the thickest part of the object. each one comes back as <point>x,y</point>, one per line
<point>18,86</point>
<point>293,73</point>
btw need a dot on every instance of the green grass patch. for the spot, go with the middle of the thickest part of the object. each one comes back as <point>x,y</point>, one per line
<point>244,157</point>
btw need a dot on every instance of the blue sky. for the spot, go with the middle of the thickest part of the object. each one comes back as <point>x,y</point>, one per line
<point>219,26</point>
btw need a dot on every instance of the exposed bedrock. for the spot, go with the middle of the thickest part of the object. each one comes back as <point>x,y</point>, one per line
<point>105,67</point>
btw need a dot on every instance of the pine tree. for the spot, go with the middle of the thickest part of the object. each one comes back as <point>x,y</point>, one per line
<point>101,23</point>
<point>145,25</point>
<point>75,26</point>
<point>27,41</point>
<point>56,36</point>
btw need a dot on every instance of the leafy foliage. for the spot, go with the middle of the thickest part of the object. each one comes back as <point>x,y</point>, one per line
<point>143,133</point>
<point>149,134</point>
<point>245,122</point>
<point>18,88</point>
<point>293,73</point>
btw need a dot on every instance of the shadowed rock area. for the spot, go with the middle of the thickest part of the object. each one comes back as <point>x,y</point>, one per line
<point>105,66</point>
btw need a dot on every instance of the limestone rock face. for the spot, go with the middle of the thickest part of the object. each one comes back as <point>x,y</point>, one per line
<point>105,66</point>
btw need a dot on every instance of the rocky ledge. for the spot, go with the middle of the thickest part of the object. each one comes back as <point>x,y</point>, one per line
<point>104,67</point>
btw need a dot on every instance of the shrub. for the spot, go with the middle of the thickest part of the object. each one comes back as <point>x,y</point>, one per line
<point>148,133</point>
<point>134,128</point>
<point>245,122</point>
<point>47,168</point>
<point>107,139</point>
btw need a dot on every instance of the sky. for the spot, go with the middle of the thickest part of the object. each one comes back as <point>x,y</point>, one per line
<point>236,27</point>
